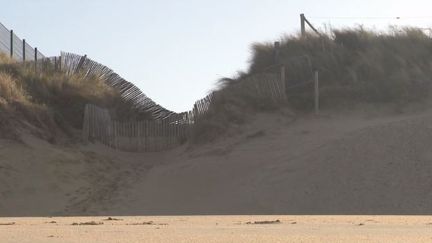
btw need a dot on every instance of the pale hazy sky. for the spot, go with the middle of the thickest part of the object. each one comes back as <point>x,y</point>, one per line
<point>175,51</point>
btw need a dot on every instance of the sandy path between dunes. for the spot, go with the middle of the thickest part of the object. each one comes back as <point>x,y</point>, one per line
<point>219,229</point>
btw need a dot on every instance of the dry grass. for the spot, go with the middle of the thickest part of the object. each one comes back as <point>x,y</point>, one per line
<point>10,91</point>
<point>49,104</point>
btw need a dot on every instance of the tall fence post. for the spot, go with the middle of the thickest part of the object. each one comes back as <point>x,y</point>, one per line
<point>303,25</point>
<point>305,21</point>
<point>11,43</point>
<point>36,58</point>
<point>24,50</point>
<point>317,105</point>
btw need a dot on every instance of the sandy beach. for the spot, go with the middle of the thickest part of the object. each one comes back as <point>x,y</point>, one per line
<point>218,229</point>
<point>215,122</point>
<point>350,165</point>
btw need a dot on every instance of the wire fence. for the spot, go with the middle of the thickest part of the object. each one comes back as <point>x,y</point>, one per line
<point>17,48</point>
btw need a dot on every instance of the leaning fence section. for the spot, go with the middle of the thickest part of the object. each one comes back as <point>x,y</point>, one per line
<point>72,63</point>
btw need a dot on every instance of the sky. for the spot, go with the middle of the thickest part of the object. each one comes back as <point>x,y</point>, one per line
<point>175,51</point>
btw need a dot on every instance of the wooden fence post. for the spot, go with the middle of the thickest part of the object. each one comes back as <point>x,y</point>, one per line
<point>11,43</point>
<point>303,25</point>
<point>36,58</point>
<point>316,93</point>
<point>24,50</point>
<point>305,21</point>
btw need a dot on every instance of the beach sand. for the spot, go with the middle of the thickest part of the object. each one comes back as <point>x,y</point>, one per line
<point>218,229</point>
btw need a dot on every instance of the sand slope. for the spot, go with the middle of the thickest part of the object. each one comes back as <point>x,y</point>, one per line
<point>40,179</point>
<point>350,164</point>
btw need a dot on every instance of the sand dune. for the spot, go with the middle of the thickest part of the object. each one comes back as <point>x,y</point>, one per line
<point>345,164</point>
<point>311,166</point>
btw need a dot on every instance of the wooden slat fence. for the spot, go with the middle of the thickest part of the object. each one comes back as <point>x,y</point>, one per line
<point>145,136</point>
<point>158,135</point>
<point>201,107</point>
<point>266,86</point>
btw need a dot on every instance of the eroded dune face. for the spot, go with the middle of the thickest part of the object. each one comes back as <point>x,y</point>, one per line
<point>277,165</point>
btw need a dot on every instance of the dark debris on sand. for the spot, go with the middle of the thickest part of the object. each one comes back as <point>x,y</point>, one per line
<point>265,222</point>
<point>88,223</point>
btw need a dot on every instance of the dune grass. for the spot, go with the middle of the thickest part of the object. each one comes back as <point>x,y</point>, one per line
<point>355,66</point>
<point>47,103</point>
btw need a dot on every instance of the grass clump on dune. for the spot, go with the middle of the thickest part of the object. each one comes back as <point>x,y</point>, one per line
<point>49,104</point>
